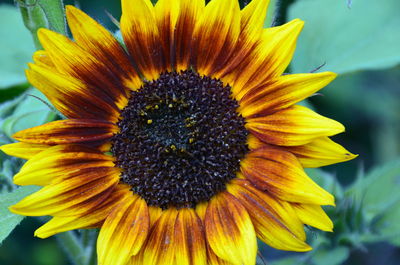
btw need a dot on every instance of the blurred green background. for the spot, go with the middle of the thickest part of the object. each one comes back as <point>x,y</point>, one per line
<point>358,39</point>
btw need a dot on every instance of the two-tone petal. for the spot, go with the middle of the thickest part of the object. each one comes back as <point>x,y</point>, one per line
<point>280,173</point>
<point>58,162</point>
<point>274,220</point>
<point>296,125</point>
<point>230,231</point>
<point>59,224</point>
<point>124,231</point>
<point>76,194</point>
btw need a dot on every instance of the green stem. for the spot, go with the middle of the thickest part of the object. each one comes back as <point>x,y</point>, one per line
<point>88,239</point>
<point>54,10</point>
<point>73,247</point>
<point>34,18</point>
<point>42,14</point>
<point>93,256</point>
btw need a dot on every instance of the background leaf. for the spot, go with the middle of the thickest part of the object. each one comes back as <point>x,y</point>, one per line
<point>334,256</point>
<point>379,194</point>
<point>365,36</point>
<point>28,113</point>
<point>8,220</point>
<point>16,47</point>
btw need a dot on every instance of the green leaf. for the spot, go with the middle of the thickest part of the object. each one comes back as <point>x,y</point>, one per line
<point>365,36</point>
<point>379,190</point>
<point>380,197</point>
<point>8,107</point>
<point>387,226</point>
<point>284,261</point>
<point>29,113</point>
<point>16,47</point>
<point>334,256</point>
<point>8,220</point>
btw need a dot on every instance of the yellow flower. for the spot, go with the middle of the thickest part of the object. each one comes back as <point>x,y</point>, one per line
<point>185,145</point>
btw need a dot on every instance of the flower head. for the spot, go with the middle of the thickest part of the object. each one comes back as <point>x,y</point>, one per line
<point>184,145</point>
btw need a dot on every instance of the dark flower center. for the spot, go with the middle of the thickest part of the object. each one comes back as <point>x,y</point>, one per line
<point>181,140</point>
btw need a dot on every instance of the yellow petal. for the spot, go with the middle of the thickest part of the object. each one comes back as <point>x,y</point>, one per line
<point>282,93</point>
<point>100,43</point>
<point>140,32</point>
<point>219,25</point>
<point>296,125</point>
<point>69,94</point>
<point>166,13</point>
<point>251,24</point>
<point>213,259</point>
<point>57,162</point>
<point>267,60</point>
<point>123,232</point>
<point>79,193</point>
<point>41,58</point>
<point>313,215</point>
<point>155,213</point>
<point>95,219</point>
<point>73,61</point>
<point>23,150</point>
<point>321,152</point>
<point>275,221</point>
<point>189,239</point>
<point>230,231</point>
<point>280,173</point>
<point>253,17</point>
<point>92,132</point>
<point>159,248</point>
<point>189,14</point>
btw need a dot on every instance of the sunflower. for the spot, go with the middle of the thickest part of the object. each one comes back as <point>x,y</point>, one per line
<point>183,144</point>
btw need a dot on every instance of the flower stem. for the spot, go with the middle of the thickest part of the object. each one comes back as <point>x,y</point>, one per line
<point>54,10</point>
<point>34,18</point>
<point>88,238</point>
<point>42,14</point>
<point>73,247</point>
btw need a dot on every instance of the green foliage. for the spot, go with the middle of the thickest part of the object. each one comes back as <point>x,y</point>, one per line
<point>29,112</point>
<point>54,12</point>
<point>379,195</point>
<point>362,37</point>
<point>38,14</point>
<point>8,220</point>
<point>16,47</point>
<point>334,256</point>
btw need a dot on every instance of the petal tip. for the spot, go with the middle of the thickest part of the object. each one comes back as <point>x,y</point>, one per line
<point>329,76</point>
<point>42,32</point>
<point>17,135</point>
<point>14,209</point>
<point>297,23</point>
<point>306,248</point>
<point>18,180</point>
<point>39,234</point>
<point>350,156</point>
<point>69,8</point>
<point>3,148</point>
